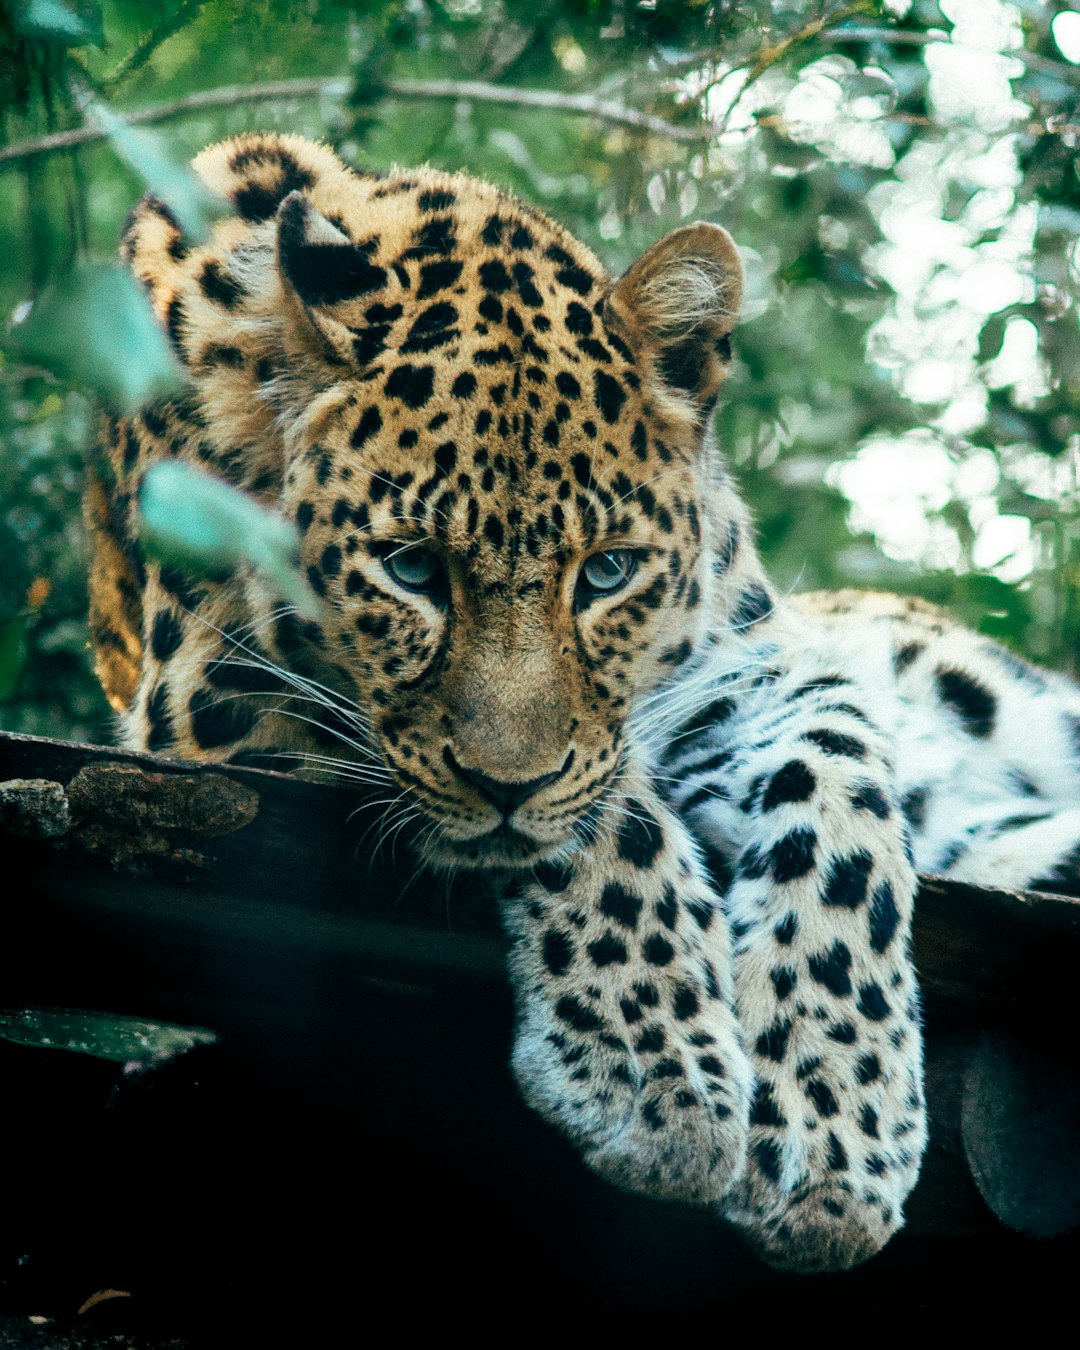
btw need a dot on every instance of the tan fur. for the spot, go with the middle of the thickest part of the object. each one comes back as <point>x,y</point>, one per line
<point>115,609</point>
<point>276,384</point>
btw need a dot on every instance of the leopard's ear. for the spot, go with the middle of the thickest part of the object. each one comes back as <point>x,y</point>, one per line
<point>320,269</point>
<point>679,302</point>
<point>152,244</point>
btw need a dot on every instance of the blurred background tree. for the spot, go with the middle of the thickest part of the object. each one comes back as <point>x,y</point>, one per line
<point>901,175</point>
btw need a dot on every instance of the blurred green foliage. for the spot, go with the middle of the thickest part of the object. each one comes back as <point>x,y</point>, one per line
<point>900,173</point>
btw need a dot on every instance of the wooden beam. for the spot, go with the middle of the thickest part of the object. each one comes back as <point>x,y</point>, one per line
<point>255,904</point>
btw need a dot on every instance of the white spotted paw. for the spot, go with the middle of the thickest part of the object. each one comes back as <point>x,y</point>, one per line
<point>677,1145</point>
<point>828,1228</point>
<point>659,1115</point>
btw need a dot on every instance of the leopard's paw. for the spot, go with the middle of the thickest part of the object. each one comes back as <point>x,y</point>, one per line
<point>676,1145</point>
<point>830,1227</point>
<point>673,1126</point>
<point>818,1199</point>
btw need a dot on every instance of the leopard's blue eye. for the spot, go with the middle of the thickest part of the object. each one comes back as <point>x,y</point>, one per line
<point>415,567</point>
<point>605,573</point>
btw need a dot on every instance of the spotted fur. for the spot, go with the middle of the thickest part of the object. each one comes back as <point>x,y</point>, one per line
<point>706,797</point>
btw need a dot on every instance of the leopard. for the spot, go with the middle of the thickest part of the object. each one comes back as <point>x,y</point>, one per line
<point>543,633</point>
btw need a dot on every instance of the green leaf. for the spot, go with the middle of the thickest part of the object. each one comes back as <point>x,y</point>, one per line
<point>193,204</point>
<point>53,21</point>
<point>12,654</point>
<point>103,1035</point>
<point>96,328</point>
<point>992,336</point>
<point>199,523</point>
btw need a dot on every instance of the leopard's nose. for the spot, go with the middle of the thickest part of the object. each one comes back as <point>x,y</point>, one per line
<point>504,794</point>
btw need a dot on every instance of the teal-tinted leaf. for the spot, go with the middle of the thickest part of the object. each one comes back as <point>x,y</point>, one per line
<point>195,207</point>
<point>101,1034</point>
<point>1047,88</point>
<point>206,526</point>
<point>70,635</point>
<point>65,24</point>
<point>95,328</point>
<point>12,654</point>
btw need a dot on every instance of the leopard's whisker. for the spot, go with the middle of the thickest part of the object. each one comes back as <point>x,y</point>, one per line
<point>259,659</point>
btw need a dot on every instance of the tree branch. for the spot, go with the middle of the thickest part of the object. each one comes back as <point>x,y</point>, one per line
<point>479,91</point>
<point>584,105</point>
<point>177,107</point>
<point>476,91</point>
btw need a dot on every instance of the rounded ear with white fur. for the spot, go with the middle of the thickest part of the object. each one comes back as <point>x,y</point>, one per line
<point>679,303</point>
<point>320,267</point>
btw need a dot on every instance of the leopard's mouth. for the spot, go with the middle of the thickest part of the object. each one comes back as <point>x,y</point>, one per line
<point>521,839</point>
<point>501,847</point>
<point>505,845</point>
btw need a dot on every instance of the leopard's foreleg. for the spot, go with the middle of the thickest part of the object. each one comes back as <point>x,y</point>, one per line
<point>626,1033</point>
<point>820,901</point>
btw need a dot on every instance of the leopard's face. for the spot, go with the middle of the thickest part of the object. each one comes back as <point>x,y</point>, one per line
<point>495,456</point>
<point>506,568</point>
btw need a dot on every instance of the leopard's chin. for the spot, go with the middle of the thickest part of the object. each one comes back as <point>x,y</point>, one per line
<point>507,846</point>
<point>502,847</point>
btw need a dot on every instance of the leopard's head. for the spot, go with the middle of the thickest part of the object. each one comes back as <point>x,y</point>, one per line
<point>499,460</point>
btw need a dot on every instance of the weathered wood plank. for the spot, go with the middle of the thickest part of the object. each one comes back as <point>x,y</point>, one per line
<point>152,827</point>
<point>254,903</point>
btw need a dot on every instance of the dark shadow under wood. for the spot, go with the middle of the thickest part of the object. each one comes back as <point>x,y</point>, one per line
<point>364,1026</point>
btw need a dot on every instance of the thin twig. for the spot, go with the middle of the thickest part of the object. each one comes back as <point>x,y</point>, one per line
<point>584,105</point>
<point>176,107</point>
<point>149,43</point>
<point>476,91</point>
<point>902,37</point>
<point>769,56</point>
